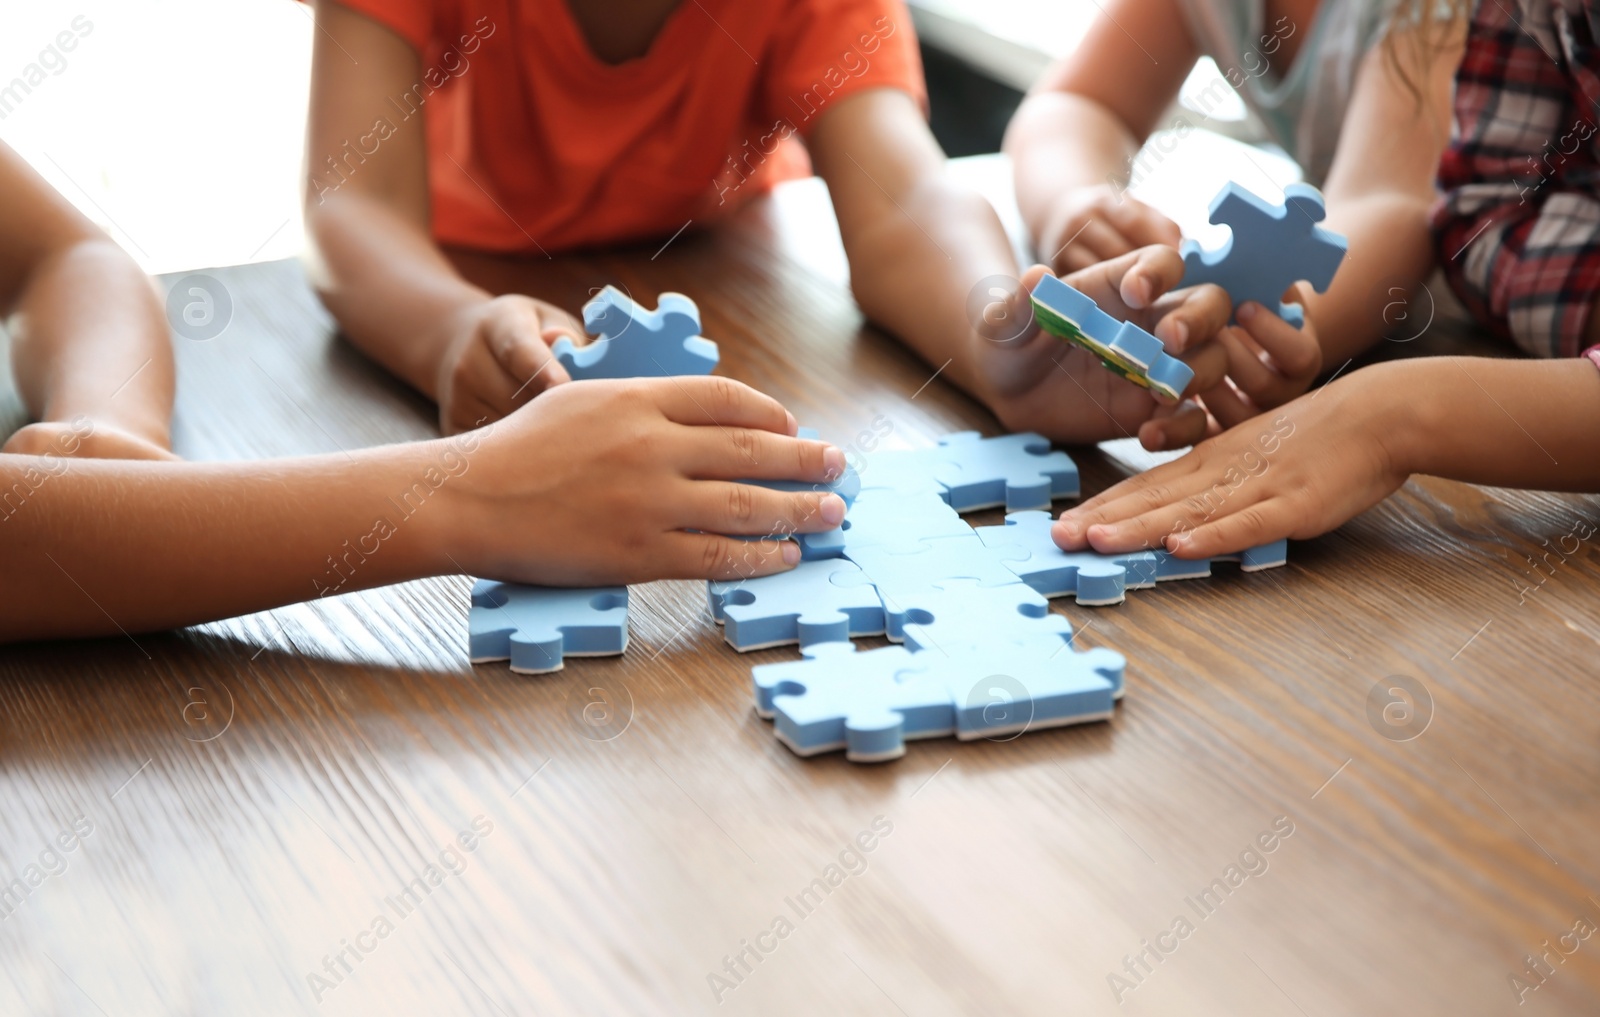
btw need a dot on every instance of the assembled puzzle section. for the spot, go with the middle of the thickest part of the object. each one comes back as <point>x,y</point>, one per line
<point>1122,346</point>
<point>537,627</point>
<point>870,703</point>
<point>1019,471</point>
<point>815,602</point>
<point>636,343</point>
<point>1269,248</point>
<point>1093,579</point>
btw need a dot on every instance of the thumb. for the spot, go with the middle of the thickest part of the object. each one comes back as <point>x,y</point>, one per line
<point>524,353</point>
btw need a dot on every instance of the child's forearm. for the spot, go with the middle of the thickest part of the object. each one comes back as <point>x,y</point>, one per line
<point>913,271</point>
<point>109,545</point>
<point>392,291</point>
<point>1373,294</point>
<point>89,339</point>
<point>1507,423</point>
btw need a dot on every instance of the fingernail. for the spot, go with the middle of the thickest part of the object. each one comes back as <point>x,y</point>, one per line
<point>1247,310</point>
<point>833,462</point>
<point>794,425</point>
<point>832,509</point>
<point>1138,288</point>
<point>1180,333</point>
<point>791,553</point>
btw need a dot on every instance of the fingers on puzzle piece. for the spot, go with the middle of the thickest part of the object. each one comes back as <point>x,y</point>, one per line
<point>537,627</point>
<point>847,485</point>
<point>1270,247</point>
<point>1093,579</point>
<point>1122,346</point>
<point>636,343</point>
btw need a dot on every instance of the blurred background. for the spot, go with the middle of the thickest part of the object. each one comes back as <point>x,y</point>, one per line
<point>177,124</point>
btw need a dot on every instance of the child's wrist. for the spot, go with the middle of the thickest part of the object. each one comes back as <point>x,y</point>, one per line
<point>1407,412</point>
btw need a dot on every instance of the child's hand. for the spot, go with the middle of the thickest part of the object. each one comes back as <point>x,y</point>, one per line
<point>629,481</point>
<point>1269,363</point>
<point>1095,224</point>
<point>501,359</point>
<point>83,438</point>
<point>1037,382</point>
<point>1316,463</point>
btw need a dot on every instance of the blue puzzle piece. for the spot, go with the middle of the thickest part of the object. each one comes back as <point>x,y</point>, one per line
<point>960,613</point>
<point>904,472</point>
<point>1028,687</point>
<point>1122,346</point>
<point>1096,580</point>
<point>847,486</point>
<point>882,518</point>
<point>636,343</point>
<point>870,703</point>
<point>536,627</point>
<point>867,703</point>
<point>1265,556</point>
<point>1270,248</point>
<point>902,574</point>
<point>805,605</point>
<point>1018,471</point>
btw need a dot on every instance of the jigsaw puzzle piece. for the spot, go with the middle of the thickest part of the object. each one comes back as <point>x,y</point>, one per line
<point>636,343</point>
<point>537,627</point>
<point>1094,579</point>
<point>904,472</point>
<point>1269,248</point>
<point>1007,690</point>
<point>1018,471</point>
<point>1254,559</point>
<point>902,574</point>
<point>882,518</point>
<point>1122,346</point>
<point>806,605</point>
<point>865,702</point>
<point>961,612</point>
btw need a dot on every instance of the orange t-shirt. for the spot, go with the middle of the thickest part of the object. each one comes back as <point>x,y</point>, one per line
<point>536,145</point>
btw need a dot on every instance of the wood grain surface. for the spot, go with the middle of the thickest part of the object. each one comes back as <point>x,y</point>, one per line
<point>255,796</point>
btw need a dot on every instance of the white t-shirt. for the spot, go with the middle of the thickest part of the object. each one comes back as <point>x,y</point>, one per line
<point>1302,105</point>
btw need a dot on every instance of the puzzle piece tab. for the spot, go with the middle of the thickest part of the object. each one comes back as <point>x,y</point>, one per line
<point>536,627</point>
<point>1094,579</point>
<point>1122,346</point>
<point>806,605</point>
<point>1270,248</point>
<point>1018,471</point>
<point>636,343</point>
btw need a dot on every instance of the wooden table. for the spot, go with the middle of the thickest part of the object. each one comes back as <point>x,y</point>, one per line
<point>256,792</point>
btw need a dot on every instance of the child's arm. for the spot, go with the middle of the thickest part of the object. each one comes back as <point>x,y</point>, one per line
<point>374,262</point>
<point>91,547</point>
<point>1073,139</point>
<point>930,262</point>
<point>88,337</point>
<point>1380,189</point>
<point>1309,466</point>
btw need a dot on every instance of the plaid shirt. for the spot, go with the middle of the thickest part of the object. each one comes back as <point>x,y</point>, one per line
<point>1518,230</point>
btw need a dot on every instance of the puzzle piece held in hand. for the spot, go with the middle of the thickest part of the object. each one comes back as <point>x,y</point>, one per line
<point>1095,580</point>
<point>805,605</point>
<point>636,343</point>
<point>536,627</point>
<point>1018,471</point>
<point>1270,248</point>
<point>1122,346</point>
<point>870,703</point>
